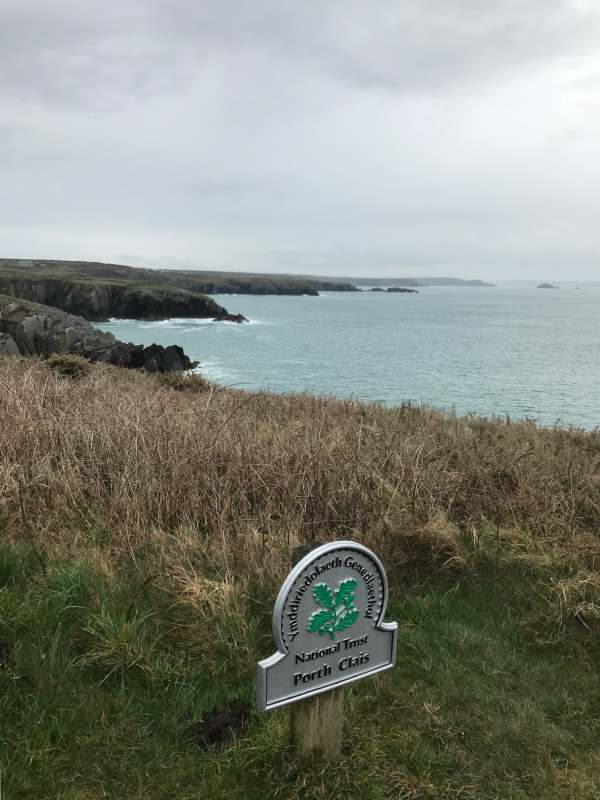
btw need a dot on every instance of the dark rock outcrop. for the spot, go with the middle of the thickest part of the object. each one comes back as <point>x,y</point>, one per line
<point>33,330</point>
<point>225,317</point>
<point>547,286</point>
<point>8,346</point>
<point>166,359</point>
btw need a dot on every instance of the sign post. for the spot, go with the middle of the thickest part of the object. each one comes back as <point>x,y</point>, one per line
<point>329,631</point>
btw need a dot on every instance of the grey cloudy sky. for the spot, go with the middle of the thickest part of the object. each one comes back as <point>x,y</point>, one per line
<point>450,137</point>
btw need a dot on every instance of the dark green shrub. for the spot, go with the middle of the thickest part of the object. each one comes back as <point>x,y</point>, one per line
<point>69,365</point>
<point>17,563</point>
<point>183,382</point>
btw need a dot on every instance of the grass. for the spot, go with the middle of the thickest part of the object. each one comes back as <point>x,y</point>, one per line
<point>144,532</point>
<point>5,299</point>
<point>99,695</point>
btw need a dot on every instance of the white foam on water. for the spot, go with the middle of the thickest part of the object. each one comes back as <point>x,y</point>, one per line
<point>174,322</point>
<point>213,370</point>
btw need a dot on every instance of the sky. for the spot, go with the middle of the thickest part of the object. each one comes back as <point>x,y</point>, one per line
<point>341,137</point>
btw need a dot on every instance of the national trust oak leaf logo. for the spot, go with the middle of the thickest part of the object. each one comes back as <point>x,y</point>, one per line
<point>338,611</point>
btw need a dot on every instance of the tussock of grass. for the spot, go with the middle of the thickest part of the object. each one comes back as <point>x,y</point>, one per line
<point>145,528</point>
<point>577,599</point>
<point>216,619</point>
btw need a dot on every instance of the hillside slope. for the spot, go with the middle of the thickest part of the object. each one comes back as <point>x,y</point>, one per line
<point>146,525</point>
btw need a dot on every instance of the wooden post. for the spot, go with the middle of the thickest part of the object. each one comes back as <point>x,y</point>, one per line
<point>316,724</point>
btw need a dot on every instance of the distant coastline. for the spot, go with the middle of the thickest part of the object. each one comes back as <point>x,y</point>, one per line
<point>99,290</point>
<point>418,282</point>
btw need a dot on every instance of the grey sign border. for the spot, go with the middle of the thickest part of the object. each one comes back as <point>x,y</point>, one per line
<point>263,666</point>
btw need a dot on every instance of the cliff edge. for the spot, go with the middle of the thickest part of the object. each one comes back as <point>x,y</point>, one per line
<point>100,300</point>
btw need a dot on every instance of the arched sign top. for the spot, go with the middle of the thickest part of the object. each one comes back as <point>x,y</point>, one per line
<point>328,625</point>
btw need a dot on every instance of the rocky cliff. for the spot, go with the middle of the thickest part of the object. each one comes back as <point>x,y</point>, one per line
<point>29,329</point>
<point>99,300</point>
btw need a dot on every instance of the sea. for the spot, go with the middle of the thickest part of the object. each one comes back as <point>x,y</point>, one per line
<point>511,350</point>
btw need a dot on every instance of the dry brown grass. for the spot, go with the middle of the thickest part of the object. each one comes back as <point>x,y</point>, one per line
<point>122,464</point>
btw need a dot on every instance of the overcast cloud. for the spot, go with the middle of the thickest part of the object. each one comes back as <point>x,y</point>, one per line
<point>449,137</point>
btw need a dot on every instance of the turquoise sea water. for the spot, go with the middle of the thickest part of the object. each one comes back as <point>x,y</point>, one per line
<point>513,350</point>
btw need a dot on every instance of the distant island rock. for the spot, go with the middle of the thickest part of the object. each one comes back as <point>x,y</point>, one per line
<point>547,286</point>
<point>398,289</point>
<point>29,329</point>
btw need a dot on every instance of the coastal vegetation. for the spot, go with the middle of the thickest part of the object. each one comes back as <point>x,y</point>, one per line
<point>146,522</point>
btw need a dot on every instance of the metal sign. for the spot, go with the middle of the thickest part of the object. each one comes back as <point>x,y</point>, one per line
<point>328,626</point>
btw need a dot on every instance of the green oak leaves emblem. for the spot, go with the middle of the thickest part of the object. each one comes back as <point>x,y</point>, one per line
<point>338,611</point>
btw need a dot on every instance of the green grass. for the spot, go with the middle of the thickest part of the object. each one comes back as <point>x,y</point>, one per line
<point>100,681</point>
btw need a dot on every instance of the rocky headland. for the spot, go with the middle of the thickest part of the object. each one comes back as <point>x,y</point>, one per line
<point>136,290</point>
<point>30,329</point>
<point>100,300</point>
<point>46,307</point>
